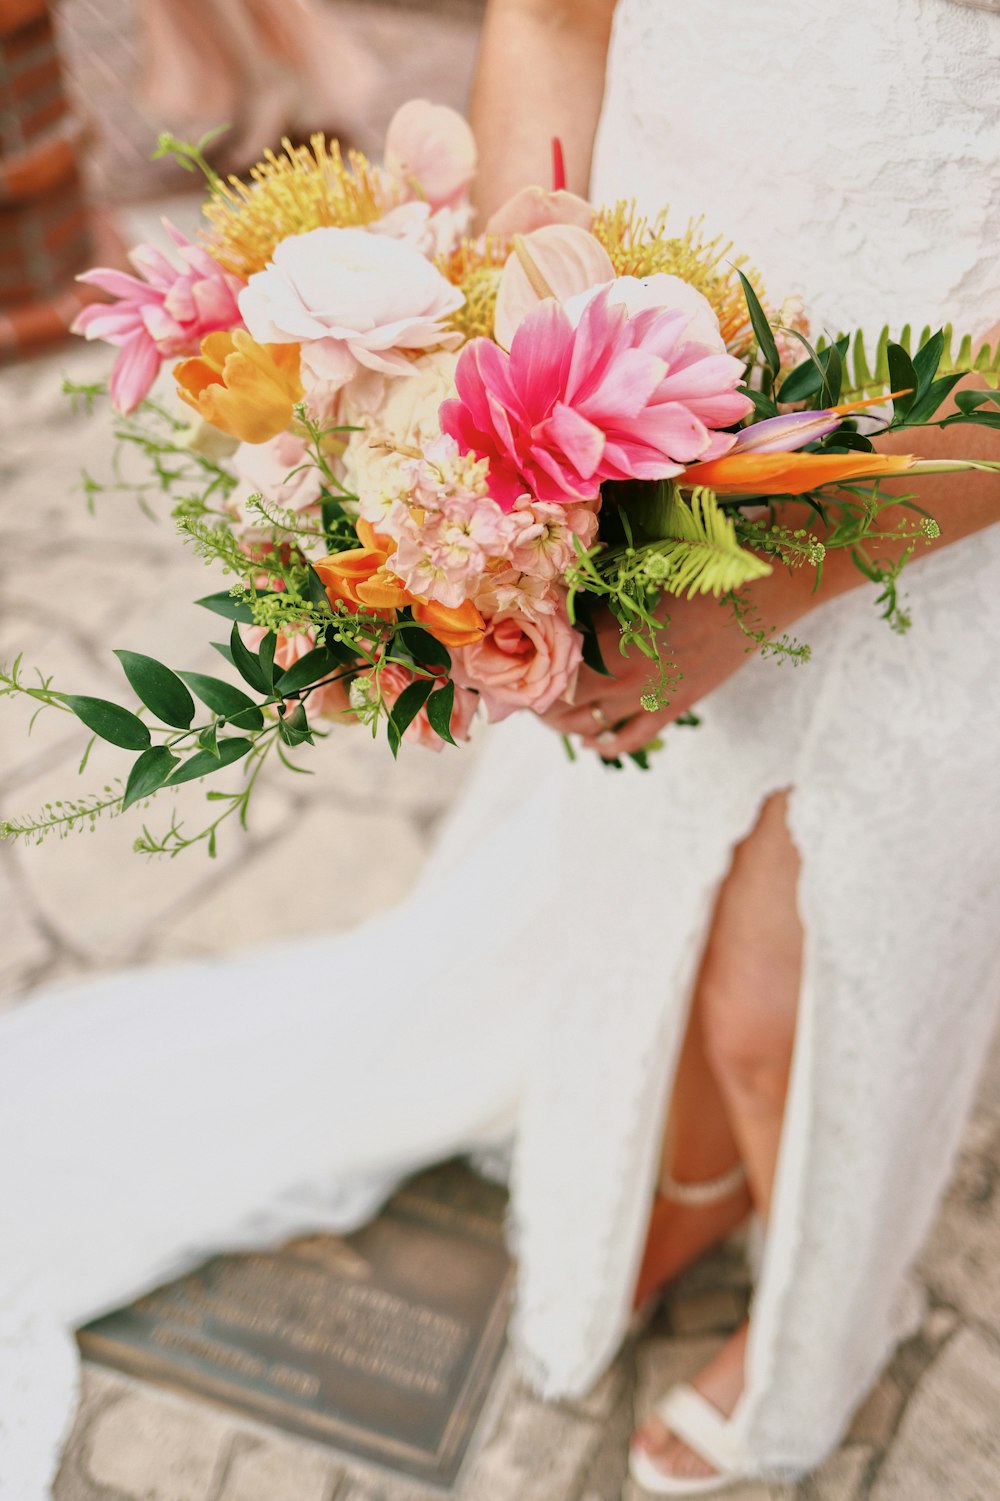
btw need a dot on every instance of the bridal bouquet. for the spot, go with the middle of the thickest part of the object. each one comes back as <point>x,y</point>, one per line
<point>423,458</point>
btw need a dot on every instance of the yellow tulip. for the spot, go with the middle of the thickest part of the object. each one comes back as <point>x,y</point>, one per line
<point>246,389</point>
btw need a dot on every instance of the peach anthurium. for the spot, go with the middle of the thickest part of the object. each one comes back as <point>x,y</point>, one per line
<point>557,260</point>
<point>791,473</point>
<point>246,389</point>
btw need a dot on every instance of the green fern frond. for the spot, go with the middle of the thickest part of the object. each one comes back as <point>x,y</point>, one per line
<point>867,376</point>
<point>700,549</point>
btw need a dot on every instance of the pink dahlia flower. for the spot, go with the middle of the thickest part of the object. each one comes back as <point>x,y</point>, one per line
<point>614,398</point>
<point>165,311</point>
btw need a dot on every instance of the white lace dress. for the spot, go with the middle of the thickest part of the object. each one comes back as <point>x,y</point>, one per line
<point>148,1121</point>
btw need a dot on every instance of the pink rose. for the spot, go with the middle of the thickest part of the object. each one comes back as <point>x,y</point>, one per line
<point>521,663</point>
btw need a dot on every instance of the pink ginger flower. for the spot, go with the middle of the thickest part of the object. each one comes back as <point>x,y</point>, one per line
<point>431,150</point>
<point>163,312</point>
<point>616,397</point>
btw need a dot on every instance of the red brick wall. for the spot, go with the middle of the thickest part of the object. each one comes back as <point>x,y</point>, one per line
<point>44,237</point>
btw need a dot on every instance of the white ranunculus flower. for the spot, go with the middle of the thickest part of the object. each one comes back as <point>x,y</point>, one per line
<point>667,293</point>
<point>407,419</point>
<point>349,298</point>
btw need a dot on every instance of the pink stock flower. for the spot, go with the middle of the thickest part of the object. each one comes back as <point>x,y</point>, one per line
<point>613,398</point>
<point>393,678</point>
<point>431,149</point>
<point>521,662</point>
<point>165,311</point>
<point>542,542</point>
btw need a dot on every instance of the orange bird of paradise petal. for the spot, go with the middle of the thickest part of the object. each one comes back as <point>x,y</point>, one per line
<point>791,473</point>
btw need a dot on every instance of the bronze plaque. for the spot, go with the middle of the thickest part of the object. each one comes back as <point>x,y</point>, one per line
<point>383,1344</point>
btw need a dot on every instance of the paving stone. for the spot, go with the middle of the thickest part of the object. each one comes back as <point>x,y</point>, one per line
<point>327,874</point>
<point>275,1469</point>
<point>842,1478</point>
<point>876,1418</point>
<point>963,1253</point>
<point>948,1446</point>
<point>151,1448</point>
<point>714,1311</point>
<point>25,946</point>
<point>536,1452</point>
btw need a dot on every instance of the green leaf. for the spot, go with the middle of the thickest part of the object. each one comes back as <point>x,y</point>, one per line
<point>317,591</point>
<point>315,665</point>
<point>813,376</point>
<point>224,604</point>
<point>902,377</point>
<point>406,708</point>
<point>109,721</point>
<point>225,650</point>
<point>208,738</point>
<point>968,401</point>
<point>926,362</point>
<point>294,728</point>
<point>158,688</point>
<point>226,699</point>
<point>425,648</point>
<point>439,711</point>
<point>203,762</point>
<point>247,663</point>
<point>926,406</point>
<point>834,377</point>
<point>265,655</point>
<point>762,329</point>
<point>148,774</point>
<point>592,654</point>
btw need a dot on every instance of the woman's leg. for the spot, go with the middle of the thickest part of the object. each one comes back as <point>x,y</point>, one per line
<point>746,1003</point>
<point>698,1145</point>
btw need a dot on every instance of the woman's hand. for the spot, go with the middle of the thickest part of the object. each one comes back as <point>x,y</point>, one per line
<point>704,644</point>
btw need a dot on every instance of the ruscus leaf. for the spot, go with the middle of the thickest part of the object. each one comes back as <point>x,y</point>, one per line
<point>247,664</point>
<point>203,763</point>
<point>225,699</point>
<point>108,721</point>
<point>160,689</point>
<point>148,774</point>
<point>439,711</point>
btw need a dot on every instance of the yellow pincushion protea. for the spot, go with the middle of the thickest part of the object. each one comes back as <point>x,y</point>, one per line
<point>305,187</point>
<point>642,247</point>
<point>475,267</point>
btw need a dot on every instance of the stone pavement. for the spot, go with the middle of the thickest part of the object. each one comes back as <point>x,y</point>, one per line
<point>74,586</point>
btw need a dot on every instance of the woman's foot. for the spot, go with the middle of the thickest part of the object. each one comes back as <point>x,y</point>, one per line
<point>679,1233</point>
<point>721,1383</point>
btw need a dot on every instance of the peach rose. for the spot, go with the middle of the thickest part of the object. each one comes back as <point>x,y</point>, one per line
<point>521,663</point>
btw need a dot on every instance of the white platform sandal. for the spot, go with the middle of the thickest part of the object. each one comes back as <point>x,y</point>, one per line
<point>691,1418</point>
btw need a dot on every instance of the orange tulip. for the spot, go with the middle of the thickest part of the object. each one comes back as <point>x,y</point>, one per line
<point>791,473</point>
<point>460,625</point>
<point>359,576</point>
<point>244,388</point>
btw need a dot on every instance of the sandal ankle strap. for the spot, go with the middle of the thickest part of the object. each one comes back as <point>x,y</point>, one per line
<point>707,1191</point>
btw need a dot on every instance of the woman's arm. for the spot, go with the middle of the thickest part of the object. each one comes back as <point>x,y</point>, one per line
<point>540,74</point>
<point>707,648</point>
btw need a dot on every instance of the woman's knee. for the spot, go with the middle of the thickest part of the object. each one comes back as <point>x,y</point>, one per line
<point>748,1029</point>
